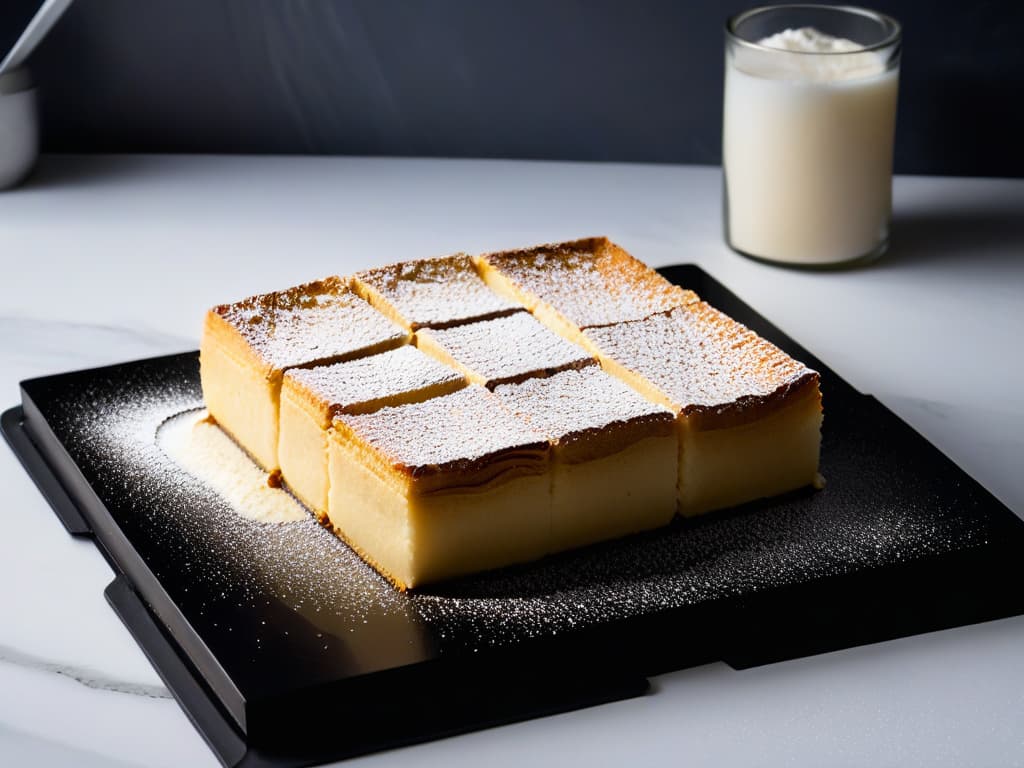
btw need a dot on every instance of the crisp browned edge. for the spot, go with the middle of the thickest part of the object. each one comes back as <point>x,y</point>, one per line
<point>593,443</point>
<point>583,243</point>
<point>593,245</point>
<point>426,478</point>
<point>218,331</point>
<point>543,373</point>
<point>335,283</point>
<point>747,409</point>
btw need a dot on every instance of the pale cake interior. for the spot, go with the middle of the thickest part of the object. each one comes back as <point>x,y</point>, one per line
<point>302,451</point>
<point>771,455</point>
<point>613,496</point>
<point>415,539</point>
<point>615,454</point>
<point>240,396</point>
<point>749,415</point>
<point>312,397</point>
<point>247,346</point>
<point>424,503</point>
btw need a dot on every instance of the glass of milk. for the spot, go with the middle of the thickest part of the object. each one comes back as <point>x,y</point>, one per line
<point>807,141</point>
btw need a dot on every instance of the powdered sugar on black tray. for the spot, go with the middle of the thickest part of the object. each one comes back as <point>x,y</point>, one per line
<point>294,588</point>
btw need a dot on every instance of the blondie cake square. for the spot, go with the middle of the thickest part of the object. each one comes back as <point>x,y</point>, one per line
<point>749,414</point>
<point>432,490</point>
<point>247,346</point>
<point>614,453</point>
<point>312,397</point>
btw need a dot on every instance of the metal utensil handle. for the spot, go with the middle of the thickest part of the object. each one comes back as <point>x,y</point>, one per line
<point>45,18</point>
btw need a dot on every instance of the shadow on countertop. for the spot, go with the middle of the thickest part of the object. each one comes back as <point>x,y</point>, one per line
<point>61,171</point>
<point>989,231</point>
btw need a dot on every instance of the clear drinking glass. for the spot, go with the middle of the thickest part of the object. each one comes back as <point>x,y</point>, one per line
<point>808,128</point>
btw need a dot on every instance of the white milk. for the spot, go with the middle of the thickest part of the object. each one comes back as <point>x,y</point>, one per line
<point>807,149</point>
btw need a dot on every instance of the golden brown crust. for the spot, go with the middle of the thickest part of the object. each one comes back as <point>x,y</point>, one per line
<point>586,414</point>
<point>464,441</point>
<point>588,445</point>
<point>586,283</point>
<point>754,407</point>
<point>315,322</point>
<point>714,370</point>
<point>220,337</point>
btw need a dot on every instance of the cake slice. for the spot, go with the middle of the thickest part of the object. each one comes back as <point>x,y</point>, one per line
<point>749,414</point>
<point>503,350</point>
<point>312,397</point>
<point>432,293</point>
<point>431,490</point>
<point>247,346</point>
<point>615,454</point>
<point>581,284</point>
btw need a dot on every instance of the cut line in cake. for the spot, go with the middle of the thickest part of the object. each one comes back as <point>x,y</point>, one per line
<point>450,415</point>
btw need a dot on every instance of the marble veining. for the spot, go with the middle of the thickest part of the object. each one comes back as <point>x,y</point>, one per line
<point>37,346</point>
<point>90,678</point>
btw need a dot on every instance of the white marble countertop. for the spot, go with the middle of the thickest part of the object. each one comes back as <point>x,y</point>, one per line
<point>107,259</point>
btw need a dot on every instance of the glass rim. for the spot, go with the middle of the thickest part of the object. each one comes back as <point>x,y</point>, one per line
<point>884,19</point>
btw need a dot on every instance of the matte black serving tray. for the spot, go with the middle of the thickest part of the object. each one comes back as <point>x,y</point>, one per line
<point>285,649</point>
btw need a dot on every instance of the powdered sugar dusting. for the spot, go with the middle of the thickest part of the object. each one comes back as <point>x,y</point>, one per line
<point>223,564</point>
<point>269,598</point>
<point>205,452</point>
<point>434,293</point>
<point>577,401</point>
<point>701,359</point>
<point>590,282</point>
<point>348,386</point>
<point>507,349</point>
<point>317,321</point>
<point>468,427</point>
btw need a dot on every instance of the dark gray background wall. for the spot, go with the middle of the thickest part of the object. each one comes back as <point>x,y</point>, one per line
<point>570,79</point>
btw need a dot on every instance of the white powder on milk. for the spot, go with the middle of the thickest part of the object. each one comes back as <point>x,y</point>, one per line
<point>826,67</point>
